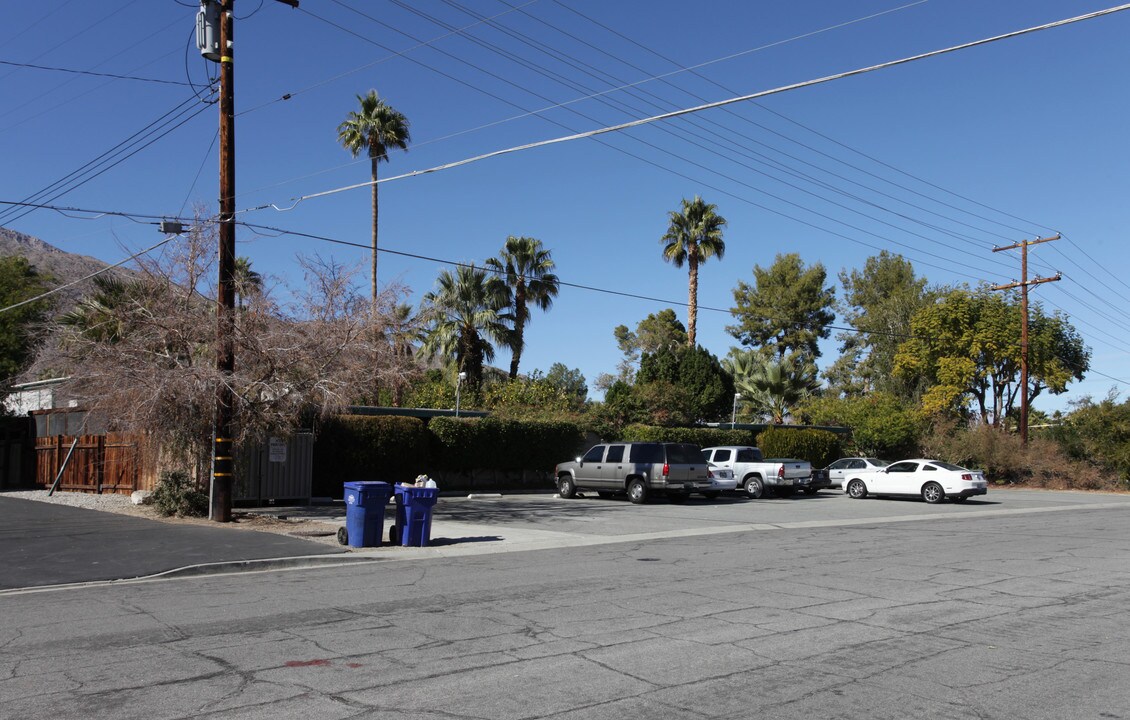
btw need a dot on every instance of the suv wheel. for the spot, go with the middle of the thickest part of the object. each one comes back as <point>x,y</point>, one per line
<point>565,487</point>
<point>753,487</point>
<point>637,491</point>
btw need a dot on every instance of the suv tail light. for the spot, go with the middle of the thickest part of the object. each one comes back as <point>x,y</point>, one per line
<point>781,471</point>
<point>666,469</point>
<point>709,474</point>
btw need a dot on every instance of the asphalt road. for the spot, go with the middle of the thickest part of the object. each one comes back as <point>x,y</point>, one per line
<point>809,608</point>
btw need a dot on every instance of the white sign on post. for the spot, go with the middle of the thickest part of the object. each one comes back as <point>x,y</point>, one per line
<point>277,450</point>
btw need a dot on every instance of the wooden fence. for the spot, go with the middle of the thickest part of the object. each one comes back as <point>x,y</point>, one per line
<point>110,463</point>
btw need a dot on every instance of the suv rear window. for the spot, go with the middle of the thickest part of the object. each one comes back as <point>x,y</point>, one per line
<point>685,454</point>
<point>647,453</point>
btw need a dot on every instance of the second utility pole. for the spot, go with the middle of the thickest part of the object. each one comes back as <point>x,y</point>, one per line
<point>1023,285</point>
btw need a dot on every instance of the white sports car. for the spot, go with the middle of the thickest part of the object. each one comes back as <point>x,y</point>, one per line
<point>933,480</point>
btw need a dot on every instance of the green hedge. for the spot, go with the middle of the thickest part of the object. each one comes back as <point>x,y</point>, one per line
<point>819,447</point>
<point>465,445</point>
<point>388,448</point>
<point>703,437</point>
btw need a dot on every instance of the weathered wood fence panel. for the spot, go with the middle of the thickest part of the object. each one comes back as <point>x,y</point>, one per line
<point>99,464</point>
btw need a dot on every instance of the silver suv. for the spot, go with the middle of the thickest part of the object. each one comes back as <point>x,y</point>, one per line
<point>637,468</point>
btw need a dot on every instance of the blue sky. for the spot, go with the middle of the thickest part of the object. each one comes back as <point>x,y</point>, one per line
<point>939,160</point>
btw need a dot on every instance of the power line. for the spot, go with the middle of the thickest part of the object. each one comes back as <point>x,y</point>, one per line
<point>96,273</point>
<point>709,106</point>
<point>395,54</point>
<point>140,140</point>
<point>92,73</point>
<point>574,62</point>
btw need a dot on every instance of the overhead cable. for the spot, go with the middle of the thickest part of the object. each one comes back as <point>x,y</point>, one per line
<point>708,106</point>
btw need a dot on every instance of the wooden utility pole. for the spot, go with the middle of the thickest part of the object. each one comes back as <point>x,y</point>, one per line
<point>223,449</point>
<point>1023,285</point>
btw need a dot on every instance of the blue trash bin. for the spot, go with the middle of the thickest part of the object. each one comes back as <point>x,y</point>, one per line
<point>413,515</point>
<point>365,512</point>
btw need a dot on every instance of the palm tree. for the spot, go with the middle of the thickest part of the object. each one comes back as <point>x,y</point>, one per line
<point>467,314</point>
<point>104,315</point>
<point>403,335</point>
<point>247,281</point>
<point>771,387</point>
<point>376,128</point>
<point>694,235</point>
<point>526,268</point>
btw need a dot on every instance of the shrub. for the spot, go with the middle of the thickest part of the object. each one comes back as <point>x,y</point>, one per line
<point>389,448</point>
<point>818,447</point>
<point>703,437</point>
<point>178,494</point>
<point>1004,459</point>
<point>881,424</point>
<point>466,444</point>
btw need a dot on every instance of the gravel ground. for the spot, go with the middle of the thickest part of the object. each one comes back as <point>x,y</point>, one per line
<point>308,529</point>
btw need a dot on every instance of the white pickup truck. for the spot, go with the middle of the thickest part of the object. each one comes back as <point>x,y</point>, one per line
<point>755,474</point>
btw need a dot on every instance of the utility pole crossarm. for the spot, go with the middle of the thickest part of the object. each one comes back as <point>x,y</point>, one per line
<point>1025,243</point>
<point>1033,281</point>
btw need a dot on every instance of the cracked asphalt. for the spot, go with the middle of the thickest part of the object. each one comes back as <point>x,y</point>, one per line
<point>807,608</point>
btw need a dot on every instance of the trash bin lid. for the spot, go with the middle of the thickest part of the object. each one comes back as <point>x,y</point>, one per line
<point>368,488</point>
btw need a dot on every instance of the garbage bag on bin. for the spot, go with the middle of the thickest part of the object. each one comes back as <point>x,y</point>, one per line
<point>365,512</point>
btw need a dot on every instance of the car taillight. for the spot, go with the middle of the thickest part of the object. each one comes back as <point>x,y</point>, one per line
<point>666,469</point>
<point>709,474</point>
<point>781,471</point>
<point>966,476</point>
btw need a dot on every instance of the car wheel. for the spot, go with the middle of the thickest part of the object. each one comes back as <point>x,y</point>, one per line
<point>753,488</point>
<point>678,498</point>
<point>637,491</point>
<point>565,487</point>
<point>856,489</point>
<point>712,494</point>
<point>933,493</point>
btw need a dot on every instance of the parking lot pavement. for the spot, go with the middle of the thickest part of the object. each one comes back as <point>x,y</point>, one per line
<point>43,544</point>
<point>47,544</point>
<point>482,525</point>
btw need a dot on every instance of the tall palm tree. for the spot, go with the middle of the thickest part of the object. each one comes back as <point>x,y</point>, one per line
<point>467,314</point>
<point>526,268</point>
<point>694,235</point>
<point>247,281</point>
<point>376,128</point>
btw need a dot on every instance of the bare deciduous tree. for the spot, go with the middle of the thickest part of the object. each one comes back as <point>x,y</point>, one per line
<point>157,371</point>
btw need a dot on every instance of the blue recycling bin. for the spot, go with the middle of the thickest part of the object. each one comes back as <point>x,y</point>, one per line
<point>413,515</point>
<point>365,512</point>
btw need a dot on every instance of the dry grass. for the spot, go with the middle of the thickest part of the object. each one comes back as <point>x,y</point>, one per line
<point>1005,460</point>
